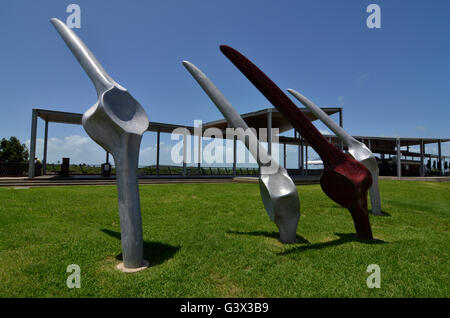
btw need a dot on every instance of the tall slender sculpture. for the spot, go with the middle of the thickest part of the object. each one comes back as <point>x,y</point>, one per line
<point>357,149</point>
<point>344,180</point>
<point>278,191</point>
<point>116,122</point>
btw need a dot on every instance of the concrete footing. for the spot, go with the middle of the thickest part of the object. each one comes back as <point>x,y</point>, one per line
<point>132,270</point>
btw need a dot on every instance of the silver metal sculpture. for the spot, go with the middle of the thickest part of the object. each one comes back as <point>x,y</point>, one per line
<point>278,191</point>
<point>357,149</point>
<point>116,122</point>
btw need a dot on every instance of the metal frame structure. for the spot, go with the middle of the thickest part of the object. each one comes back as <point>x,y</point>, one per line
<point>259,119</point>
<point>394,145</point>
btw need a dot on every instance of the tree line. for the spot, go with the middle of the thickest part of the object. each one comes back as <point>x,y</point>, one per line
<point>12,150</point>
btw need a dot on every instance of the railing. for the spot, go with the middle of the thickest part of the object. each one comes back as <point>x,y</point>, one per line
<point>167,170</point>
<point>13,169</point>
<point>21,169</point>
<point>195,171</point>
<point>81,169</point>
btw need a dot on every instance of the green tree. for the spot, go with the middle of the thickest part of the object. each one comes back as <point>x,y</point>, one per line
<point>12,150</point>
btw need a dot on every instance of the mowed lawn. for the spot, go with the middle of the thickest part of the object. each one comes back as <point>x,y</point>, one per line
<point>216,240</point>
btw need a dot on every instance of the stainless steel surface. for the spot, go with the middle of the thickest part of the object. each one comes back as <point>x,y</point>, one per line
<point>116,122</point>
<point>278,192</point>
<point>357,149</point>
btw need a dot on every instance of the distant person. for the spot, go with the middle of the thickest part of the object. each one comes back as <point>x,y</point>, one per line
<point>428,165</point>
<point>384,168</point>
<point>38,167</point>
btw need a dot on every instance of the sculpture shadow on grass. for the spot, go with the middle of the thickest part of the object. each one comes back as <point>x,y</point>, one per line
<point>155,253</point>
<point>383,213</point>
<point>300,239</point>
<point>343,238</point>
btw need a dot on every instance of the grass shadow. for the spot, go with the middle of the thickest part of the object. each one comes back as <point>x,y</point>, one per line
<point>343,238</point>
<point>300,239</point>
<point>383,213</point>
<point>155,253</point>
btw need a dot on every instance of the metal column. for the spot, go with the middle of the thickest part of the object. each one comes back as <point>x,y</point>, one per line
<point>199,154</point>
<point>302,169</point>
<point>44,160</point>
<point>269,132</point>
<point>300,156</point>
<point>32,144</point>
<point>234,154</point>
<point>257,148</point>
<point>158,136</point>
<point>399,164</point>
<point>300,152</point>
<point>306,157</point>
<point>341,123</point>
<point>422,158</point>
<point>184,152</point>
<point>439,156</point>
<point>284,156</point>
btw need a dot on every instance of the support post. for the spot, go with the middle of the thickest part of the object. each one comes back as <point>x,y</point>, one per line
<point>31,166</point>
<point>44,160</point>
<point>302,168</point>
<point>300,156</point>
<point>234,154</point>
<point>284,156</point>
<point>341,124</point>
<point>184,152</point>
<point>422,158</point>
<point>306,155</point>
<point>399,163</point>
<point>158,139</point>
<point>257,148</point>
<point>199,154</point>
<point>439,165</point>
<point>269,132</point>
<point>107,157</point>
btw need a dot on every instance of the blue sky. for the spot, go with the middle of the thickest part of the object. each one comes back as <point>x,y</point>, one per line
<point>392,81</point>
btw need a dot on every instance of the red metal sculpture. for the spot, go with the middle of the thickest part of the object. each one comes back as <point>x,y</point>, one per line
<point>344,180</point>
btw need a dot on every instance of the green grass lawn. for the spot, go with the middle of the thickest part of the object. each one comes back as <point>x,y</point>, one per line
<point>215,240</point>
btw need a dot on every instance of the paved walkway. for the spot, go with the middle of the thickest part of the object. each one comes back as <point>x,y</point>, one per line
<point>297,180</point>
<point>51,180</point>
<point>45,181</point>
<point>433,179</point>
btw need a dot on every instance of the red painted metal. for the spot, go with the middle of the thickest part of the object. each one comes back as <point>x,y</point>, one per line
<point>344,180</point>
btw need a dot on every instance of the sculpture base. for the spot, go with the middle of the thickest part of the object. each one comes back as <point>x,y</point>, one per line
<point>292,241</point>
<point>132,270</point>
<point>364,238</point>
